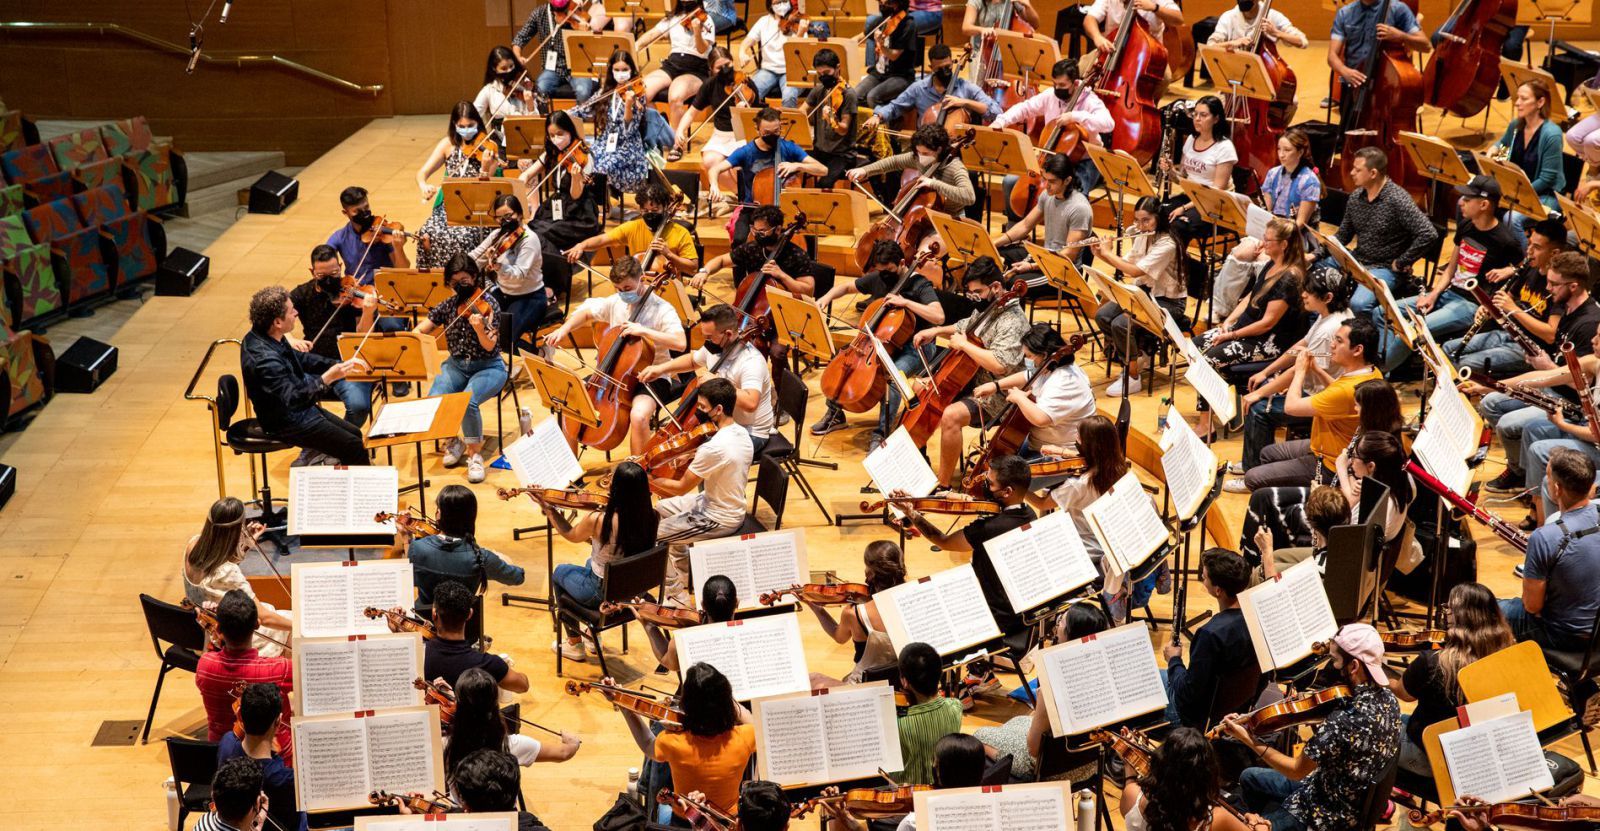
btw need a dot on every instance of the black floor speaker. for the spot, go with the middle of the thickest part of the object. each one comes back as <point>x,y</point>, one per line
<point>272,193</point>
<point>8,484</point>
<point>181,273</point>
<point>85,366</point>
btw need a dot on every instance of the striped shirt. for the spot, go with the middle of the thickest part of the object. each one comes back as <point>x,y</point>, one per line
<point>219,672</point>
<point>921,728</point>
<point>212,822</point>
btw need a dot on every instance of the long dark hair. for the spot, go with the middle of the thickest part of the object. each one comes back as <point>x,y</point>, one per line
<point>458,512</point>
<point>1379,407</point>
<point>496,55</point>
<point>707,699</point>
<point>566,124</point>
<point>628,509</point>
<point>1101,447</point>
<point>602,113</point>
<point>885,565</point>
<point>1220,129</point>
<point>464,109</point>
<point>478,723</point>
<point>1388,459</point>
<point>1151,205</point>
<point>959,761</point>
<point>1182,784</point>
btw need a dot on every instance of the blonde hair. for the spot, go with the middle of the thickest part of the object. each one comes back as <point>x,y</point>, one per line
<point>1477,630</point>
<point>220,538</point>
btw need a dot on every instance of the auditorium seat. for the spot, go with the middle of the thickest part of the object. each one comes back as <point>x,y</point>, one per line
<point>135,242</point>
<point>31,289</point>
<point>10,198</point>
<point>35,169</point>
<point>74,150</point>
<point>154,175</point>
<point>20,355</point>
<point>81,269</point>
<point>16,132</point>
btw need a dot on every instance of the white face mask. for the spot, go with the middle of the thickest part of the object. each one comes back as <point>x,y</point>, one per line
<point>622,75</point>
<point>780,9</point>
<point>926,159</point>
<point>560,142</point>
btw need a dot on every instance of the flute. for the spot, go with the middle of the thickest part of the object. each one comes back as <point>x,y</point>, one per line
<point>1502,529</point>
<point>1551,404</point>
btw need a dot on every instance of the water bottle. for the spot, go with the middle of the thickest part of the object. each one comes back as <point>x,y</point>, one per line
<point>506,697</point>
<point>1085,810</point>
<point>633,784</point>
<point>171,787</point>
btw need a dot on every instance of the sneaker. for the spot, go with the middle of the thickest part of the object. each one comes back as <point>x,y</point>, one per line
<point>1114,390</point>
<point>1236,468</point>
<point>981,684</point>
<point>1527,524</point>
<point>1517,570</point>
<point>831,421</point>
<point>454,451</point>
<point>475,472</point>
<point>525,419</point>
<point>1235,486</point>
<point>874,441</point>
<point>569,651</point>
<point>1164,579</point>
<point>1510,480</point>
<point>400,390</point>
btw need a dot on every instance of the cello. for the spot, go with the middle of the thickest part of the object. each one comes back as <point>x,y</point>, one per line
<point>1128,79</point>
<point>954,370</point>
<point>750,298</point>
<point>1464,70</point>
<point>1256,139</point>
<point>1070,140</point>
<point>908,220</point>
<point>853,379</point>
<point>1383,106</point>
<point>1011,427</point>
<point>671,448</point>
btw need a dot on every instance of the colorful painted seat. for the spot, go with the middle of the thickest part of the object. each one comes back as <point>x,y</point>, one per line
<point>11,202</point>
<point>81,267</point>
<point>98,174</point>
<point>74,150</point>
<point>31,290</point>
<point>15,131</point>
<point>135,241</point>
<point>26,164</point>
<point>155,174</point>
<point>21,356</point>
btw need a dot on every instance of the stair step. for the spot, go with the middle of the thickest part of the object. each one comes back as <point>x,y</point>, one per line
<point>208,169</point>
<point>225,195</point>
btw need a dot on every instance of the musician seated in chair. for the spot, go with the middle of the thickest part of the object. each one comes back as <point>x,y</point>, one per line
<point>722,466</point>
<point>447,655</point>
<point>1561,575</point>
<point>469,320</point>
<point>454,554</point>
<point>1066,215</point>
<point>959,761</point>
<point>785,263</point>
<point>948,179</point>
<point>726,355</point>
<point>1220,649</point>
<point>1182,789</point>
<point>625,527</point>
<point>638,236</point>
<point>1322,787</point>
<point>833,129</point>
<point>1525,299</point>
<point>220,670</point>
<point>513,258</point>
<point>1103,19</point>
<point>929,718</point>
<point>1054,403</point>
<point>237,801</point>
<point>283,389</point>
<point>1068,102</point>
<point>936,94</point>
<point>326,312</point>
<point>487,781</point>
<point>768,151</point>
<point>1357,31</point>
<point>362,259</point>
<point>1389,231</point>
<point>1152,264</point>
<point>884,567</point>
<point>655,321</point>
<point>261,715</point>
<point>718,600</point>
<point>715,100</point>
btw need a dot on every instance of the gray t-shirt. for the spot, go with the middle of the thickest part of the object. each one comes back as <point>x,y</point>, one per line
<point>1572,583</point>
<point>1063,215</point>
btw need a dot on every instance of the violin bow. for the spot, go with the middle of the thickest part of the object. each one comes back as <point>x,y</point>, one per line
<point>558,164</point>
<point>874,197</point>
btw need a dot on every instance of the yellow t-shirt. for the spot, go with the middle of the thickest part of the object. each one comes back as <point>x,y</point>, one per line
<point>1333,415</point>
<point>713,766</point>
<point>636,237</point>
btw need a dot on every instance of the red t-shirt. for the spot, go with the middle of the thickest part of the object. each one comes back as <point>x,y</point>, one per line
<point>219,672</point>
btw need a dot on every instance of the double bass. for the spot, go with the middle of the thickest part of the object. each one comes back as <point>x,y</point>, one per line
<point>1129,79</point>
<point>1381,108</point>
<point>1464,70</point>
<point>1263,122</point>
<point>853,379</point>
<point>954,370</point>
<point>1011,427</point>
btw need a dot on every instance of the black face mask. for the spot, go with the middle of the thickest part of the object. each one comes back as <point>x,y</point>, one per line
<point>464,291</point>
<point>1064,94</point>
<point>768,139</point>
<point>713,347</point>
<point>827,81</point>
<point>725,74</point>
<point>329,283</point>
<point>768,239</point>
<point>653,219</point>
<point>703,415</point>
<point>988,493</point>
<point>943,76</point>
<point>509,224</point>
<point>509,76</point>
<point>1246,5</point>
<point>363,220</point>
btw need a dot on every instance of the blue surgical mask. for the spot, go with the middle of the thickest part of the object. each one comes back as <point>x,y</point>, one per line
<point>1029,366</point>
<point>468,131</point>
<point>628,297</point>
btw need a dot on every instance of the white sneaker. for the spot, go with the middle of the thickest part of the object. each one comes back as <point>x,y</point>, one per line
<point>1235,486</point>
<point>569,651</point>
<point>475,472</point>
<point>1115,388</point>
<point>1236,468</point>
<point>454,450</point>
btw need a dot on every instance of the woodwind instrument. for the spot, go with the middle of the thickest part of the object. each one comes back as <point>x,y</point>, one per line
<point>1502,529</point>
<point>1580,382</point>
<point>1529,346</point>
<point>1551,404</point>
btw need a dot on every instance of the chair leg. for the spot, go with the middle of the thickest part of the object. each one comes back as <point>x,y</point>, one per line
<point>162,676</point>
<point>1583,734</point>
<point>600,653</point>
<point>624,639</point>
<point>793,466</point>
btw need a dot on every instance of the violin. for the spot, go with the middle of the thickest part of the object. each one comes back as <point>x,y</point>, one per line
<point>400,621</point>
<point>1307,708</point>
<point>1011,425</point>
<point>669,453</point>
<point>793,24</point>
<point>1136,751</point>
<point>637,703</point>
<point>1056,467</point>
<point>207,620</point>
<point>415,803</point>
<point>487,153</point>
<point>1470,37</point>
<point>439,698</point>
<point>558,497</point>
<point>352,292</point>
<point>822,594</point>
<point>502,246</point>
<point>853,378</point>
<point>1261,123</point>
<point>955,369</point>
<point>1128,78</point>
<point>693,19</point>
<point>866,803</point>
<point>890,24</point>
<point>701,816</point>
<point>409,523</point>
<point>1417,641</point>
<point>647,611</point>
<point>936,505</point>
<point>1515,814</point>
<point>1383,107</point>
<point>907,221</point>
<point>478,304</point>
<point>385,232</point>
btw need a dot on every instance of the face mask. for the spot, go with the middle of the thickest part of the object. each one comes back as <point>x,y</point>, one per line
<point>725,74</point>
<point>363,220</point>
<point>780,9</point>
<point>1246,5</point>
<point>509,75</point>
<point>768,139</point>
<point>622,75</point>
<point>468,131</point>
<point>703,415</point>
<point>628,297</point>
<point>561,142</point>
<point>1029,366</point>
<point>1064,94</point>
<point>329,282</point>
<point>713,347</point>
<point>828,81</point>
<point>926,160</point>
<point>769,238</point>
<point>944,75</point>
<point>988,493</point>
<point>653,219</point>
<point>464,291</point>
<point>509,224</point>
<point>558,4</point>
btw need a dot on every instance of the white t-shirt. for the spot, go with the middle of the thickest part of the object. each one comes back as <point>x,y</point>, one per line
<point>682,38</point>
<point>491,103</point>
<point>723,465</point>
<point>1320,340</point>
<point>1066,395</point>
<point>771,39</point>
<point>524,748</point>
<point>1073,495</point>
<point>1109,14</point>
<point>658,314</point>
<point>1231,25</point>
<point>1201,165</point>
<point>747,369</point>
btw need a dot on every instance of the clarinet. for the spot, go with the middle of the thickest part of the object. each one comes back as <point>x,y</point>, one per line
<point>1502,529</point>
<point>1530,347</point>
<point>1580,382</point>
<point>1551,404</point>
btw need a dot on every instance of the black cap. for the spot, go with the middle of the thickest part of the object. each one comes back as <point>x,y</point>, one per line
<point>1481,187</point>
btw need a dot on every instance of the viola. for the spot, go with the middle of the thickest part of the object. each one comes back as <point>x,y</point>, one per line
<point>1057,467</point>
<point>385,232</point>
<point>866,803</point>
<point>648,611</point>
<point>1383,107</point>
<point>1261,123</point>
<point>400,621</point>
<point>1128,78</point>
<point>823,594</point>
<point>750,298</point>
<point>477,304</point>
<point>438,698</point>
<point>1136,751</point>
<point>1011,425</point>
<point>409,523</point>
<point>643,705</point>
<point>502,246</point>
<point>701,816</point>
<point>1307,708</point>
<point>1516,814</point>
<point>951,506</point>
<point>907,221</point>
<point>207,620</point>
<point>353,292</point>
<point>793,24</point>
<point>853,379</point>
<point>616,376</point>
<point>1463,72</point>
<point>558,498</point>
<point>1414,641</point>
<point>415,803</point>
<point>954,370</point>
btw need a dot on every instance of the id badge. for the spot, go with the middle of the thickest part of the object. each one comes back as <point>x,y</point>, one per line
<point>611,143</point>
<point>550,60</point>
<point>555,209</point>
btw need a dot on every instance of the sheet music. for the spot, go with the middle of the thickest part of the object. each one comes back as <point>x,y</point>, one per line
<point>340,500</point>
<point>1089,683</point>
<point>945,610</point>
<point>1434,450</point>
<point>1496,760</point>
<point>898,464</point>
<point>402,754</point>
<point>1189,465</point>
<point>1041,561</point>
<point>1255,220</point>
<point>846,733</point>
<point>543,460</point>
<point>1046,806</point>
<point>330,769</point>
<point>398,418</point>
<point>389,663</point>
<point>760,656</point>
<point>1286,616</point>
<point>1209,384</point>
<point>756,564</point>
<point>1125,522</point>
<point>891,371</point>
<point>1451,417</point>
<point>342,675</point>
<point>329,597</point>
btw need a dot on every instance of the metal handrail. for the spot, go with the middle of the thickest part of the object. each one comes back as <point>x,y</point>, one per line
<point>211,405</point>
<point>179,49</point>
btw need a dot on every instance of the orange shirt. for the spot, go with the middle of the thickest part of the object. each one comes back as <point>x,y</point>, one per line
<point>713,766</point>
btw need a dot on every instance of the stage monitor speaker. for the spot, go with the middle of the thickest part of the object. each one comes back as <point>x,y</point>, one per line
<point>85,366</point>
<point>8,484</point>
<point>181,273</point>
<point>272,193</point>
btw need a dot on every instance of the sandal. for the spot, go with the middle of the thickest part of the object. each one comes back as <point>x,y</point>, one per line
<point>674,154</point>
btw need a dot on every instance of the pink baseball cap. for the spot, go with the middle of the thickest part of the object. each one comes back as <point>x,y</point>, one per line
<point>1361,642</point>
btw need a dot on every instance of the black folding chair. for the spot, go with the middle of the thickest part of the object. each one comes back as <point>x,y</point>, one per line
<point>194,763</point>
<point>178,628</point>
<point>625,579</point>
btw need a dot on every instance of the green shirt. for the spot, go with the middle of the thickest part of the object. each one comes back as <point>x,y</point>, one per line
<point>921,728</point>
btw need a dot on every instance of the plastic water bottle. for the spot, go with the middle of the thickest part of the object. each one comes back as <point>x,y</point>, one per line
<point>633,783</point>
<point>171,787</point>
<point>1085,810</point>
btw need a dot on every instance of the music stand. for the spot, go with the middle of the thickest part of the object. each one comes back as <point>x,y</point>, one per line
<point>997,152</point>
<point>418,289</point>
<point>471,201</point>
<point>1584,223</point>
<point>833,212</point>
<point>1122,177</point>
<point>1216,206</point>
<point>395,357</point>
<point>838,12</point>
<point>1347,261</point>
<point>1072,290</point>
<point>1434,158</point>
<point>446,423</point>
<point>524,136</point>
<point>964,241</point>
<point>1514,186</point>
<point>792,124</point>
<point>1240,73</point>
<point>799,53</point>
<point>561,391</point>
<point>1026,58</point>
<point>800,323</point>
<point>587,52</point>
<point>1554,13</point>
<point>1514,74</point>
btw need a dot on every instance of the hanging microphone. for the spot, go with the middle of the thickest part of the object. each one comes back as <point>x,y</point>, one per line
<point>194,50</point>
<point>227,6</point>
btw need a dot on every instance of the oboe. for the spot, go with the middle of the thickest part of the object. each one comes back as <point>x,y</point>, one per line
<point>1580,382</point>
<point>1551,404</point>
<point>1502,529</point>
<point>1530,347</point>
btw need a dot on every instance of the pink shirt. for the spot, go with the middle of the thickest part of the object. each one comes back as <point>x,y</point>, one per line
<point>1045,106</point>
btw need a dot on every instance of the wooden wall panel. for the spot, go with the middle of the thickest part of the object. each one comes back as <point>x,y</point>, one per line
<point>437,59</point>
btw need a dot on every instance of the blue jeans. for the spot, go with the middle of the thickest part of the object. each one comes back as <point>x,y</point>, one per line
<point>927,24</point>
<point>911,364</point>
<point>723,20</point>
<point>1531,627</point>
<point>1451,315</point>
<point>1540,438</point>
<point>357,398</point>
<point>1489,353</point>
<point>581,584</point>
<point>1362,301</point>
<point>526,312</point>
<point>1264,791</point>
<point>770,84</point>
<point>1510,420</point>
<point>1261,427</point>
<point>483,378</point>
<point>551,80</point>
